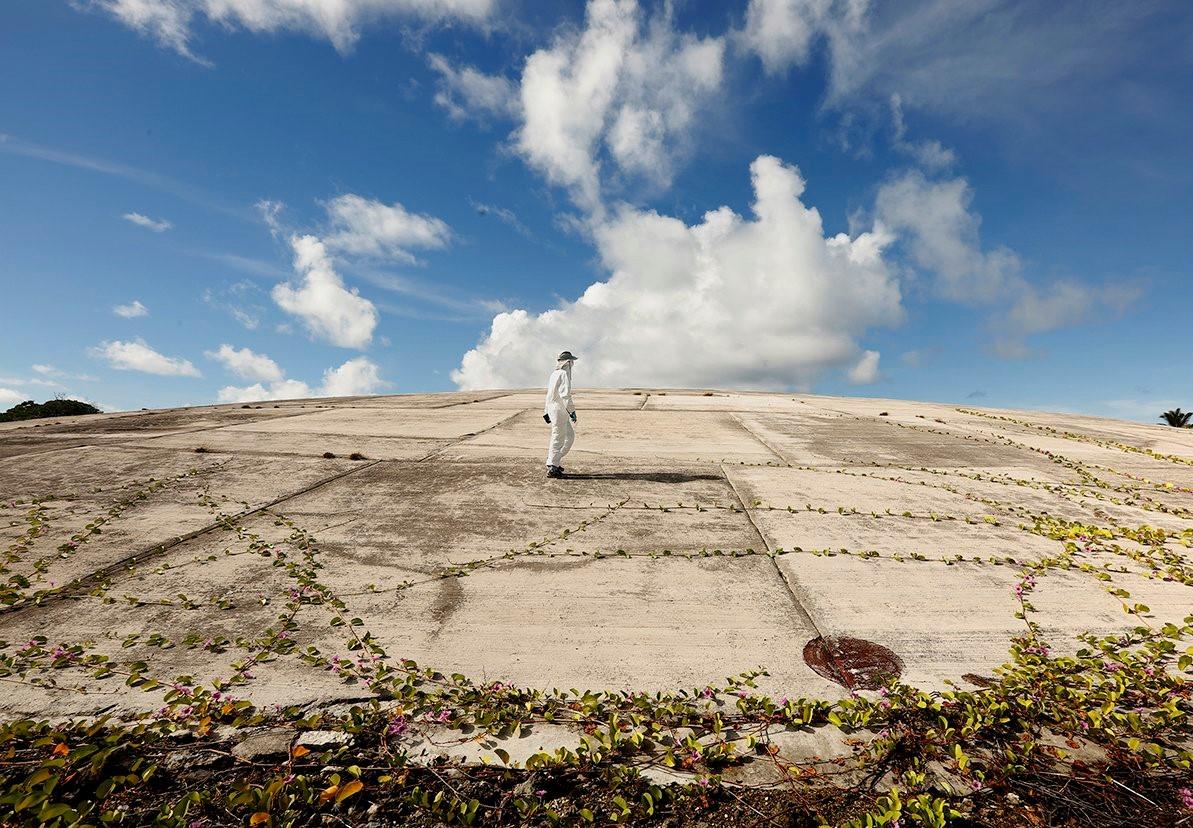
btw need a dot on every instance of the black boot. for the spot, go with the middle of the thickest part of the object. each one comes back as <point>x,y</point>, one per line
<point>554,471</point>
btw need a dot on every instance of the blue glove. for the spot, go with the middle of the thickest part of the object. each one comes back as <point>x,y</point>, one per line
<point>547,419</point>
<point>573,416</point>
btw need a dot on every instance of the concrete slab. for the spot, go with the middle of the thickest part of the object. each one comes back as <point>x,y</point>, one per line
<point>640,436</point>
<point>447,423</point>
<point>721,401</point>
<point>301,444</point>
<point>456,551</point>
<point>586,399</point>
<point>614,623</point>
<point>942,621</point>
<point>831,440</point>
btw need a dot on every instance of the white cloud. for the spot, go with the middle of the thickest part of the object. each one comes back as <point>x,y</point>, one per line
<point>941,235</point>
<point>280,390</point>
<point>364,226</point>
<point>781,32</point>
<point>356,377</point>
<point>246,363</point>
<point>929,154</point>
<point>764,302</point>
<point>170,22</point>
<point>465,91</point>
<point>10,397</point>
<point>866,369</point>
<point>248,320</point>
<point>138,356</point>
<point>132,310</point>
<point>157,226</point>
<point>617,89</point>
<point>329,310</point>
<point>1060,304</point>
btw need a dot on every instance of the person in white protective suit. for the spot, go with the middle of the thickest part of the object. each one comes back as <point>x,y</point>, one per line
<point>560,413</point>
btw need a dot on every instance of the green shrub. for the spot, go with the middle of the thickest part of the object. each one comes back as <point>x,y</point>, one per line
<point>29,410</point>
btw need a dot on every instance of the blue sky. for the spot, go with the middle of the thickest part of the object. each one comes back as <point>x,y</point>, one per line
<point>253,199</point>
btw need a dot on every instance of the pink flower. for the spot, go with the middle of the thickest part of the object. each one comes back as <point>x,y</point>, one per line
<point>398,726</point>
<point>1186,796</point>
<point>706,693</point>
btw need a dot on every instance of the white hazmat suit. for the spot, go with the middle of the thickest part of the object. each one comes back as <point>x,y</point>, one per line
<point>560,409</point>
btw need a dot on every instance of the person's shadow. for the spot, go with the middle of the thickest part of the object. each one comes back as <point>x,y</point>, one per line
<point>649,477</point>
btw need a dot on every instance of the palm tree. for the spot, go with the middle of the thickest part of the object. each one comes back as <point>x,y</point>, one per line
<point>1178,418</point>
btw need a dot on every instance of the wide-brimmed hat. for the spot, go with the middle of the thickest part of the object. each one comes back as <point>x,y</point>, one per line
<point>566,355</point>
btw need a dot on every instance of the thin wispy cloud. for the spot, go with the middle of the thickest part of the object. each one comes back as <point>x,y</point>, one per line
<point>132,310</point>
<point>156,225</point>
<point>151,180</point>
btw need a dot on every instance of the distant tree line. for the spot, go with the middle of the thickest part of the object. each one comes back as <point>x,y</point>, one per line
<point>30,410</point>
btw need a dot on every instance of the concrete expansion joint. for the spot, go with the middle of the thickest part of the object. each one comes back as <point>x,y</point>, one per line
<point>473,435</point>
<point>758,437</point>
<point>797,603</point>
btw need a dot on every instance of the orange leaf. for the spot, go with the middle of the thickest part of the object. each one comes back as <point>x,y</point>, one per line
<point>328,793</point>
<point>300,750</point>
<point>352,787</point>
<point>259,817</point>
<point>61,749</point>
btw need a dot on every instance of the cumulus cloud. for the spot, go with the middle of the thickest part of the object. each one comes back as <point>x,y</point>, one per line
<point>138,356</point>
<point>157,226</point>
<point>171,22</point>
<point>465,91</point>
<point>132,310</point>
<point>246,363</point>
<point>368,227</point>
<point>326,307</point>
<point>941,233</point>
<point>280,390</point>
<point>866,369</point>
<point>762,302</point>
<point>356,377</point>
<point>617,90</point>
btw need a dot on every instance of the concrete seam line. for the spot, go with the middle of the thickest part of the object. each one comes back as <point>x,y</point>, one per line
<point>467,437</point>
<point>801,610</point>
<point>472,402</point>
<point>645,400</point>
<point>217,427</point>
<point>741,502</point>
<point>159,549</point>
<point>752,433</point>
